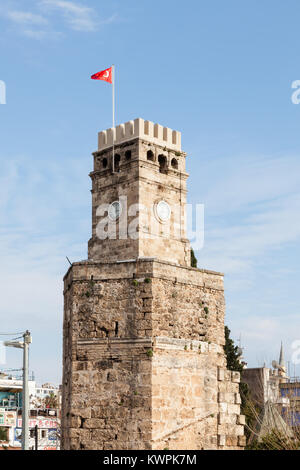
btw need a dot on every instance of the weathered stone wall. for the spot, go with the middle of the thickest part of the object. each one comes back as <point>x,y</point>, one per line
<point>195,400</point>
<point>111,396</point>
<point>187,311</point>
<point>184,395</point>
<point>107,188</point>
<point>230,421</point>
<point>106,383</point>
<point>142,183</point>
<point>144,366</point>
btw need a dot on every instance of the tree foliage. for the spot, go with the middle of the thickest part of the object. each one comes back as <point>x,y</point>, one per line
<point>232,353</point>
<point>275,441</point>
<point>194,260</point>
<point>51,401</point>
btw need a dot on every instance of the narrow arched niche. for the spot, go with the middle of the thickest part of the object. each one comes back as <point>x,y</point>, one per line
<point>174,163</point>
<point>163,164</point>
<point>150,156</point>
<point>117,160</point>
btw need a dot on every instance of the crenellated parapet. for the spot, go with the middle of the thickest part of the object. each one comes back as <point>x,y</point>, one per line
<point>139,128</point>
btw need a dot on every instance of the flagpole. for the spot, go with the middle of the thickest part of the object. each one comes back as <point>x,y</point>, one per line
<point>113,116</point>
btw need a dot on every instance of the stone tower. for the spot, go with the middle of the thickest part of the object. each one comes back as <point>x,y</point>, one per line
<point>143,358</point>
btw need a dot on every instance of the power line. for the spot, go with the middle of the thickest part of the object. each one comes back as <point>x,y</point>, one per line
<point>12,334</point>
<point>18,337</point>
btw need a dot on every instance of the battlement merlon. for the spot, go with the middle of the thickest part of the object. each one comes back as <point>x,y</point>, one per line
<point>139,128</point>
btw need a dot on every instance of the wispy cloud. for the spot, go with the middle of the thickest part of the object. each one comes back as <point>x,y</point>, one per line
<point>25,17</point>
<point>32,24</point>
<point>33,203</point>
<point>41,34</point>
<point>263,336</point>
<point>79,18</point>
<point>41,20</point>
<point>251,209</point>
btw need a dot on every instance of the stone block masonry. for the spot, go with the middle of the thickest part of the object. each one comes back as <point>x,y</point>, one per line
<point>144,365</point>
<point>143,358</point>
<point>140,179</point>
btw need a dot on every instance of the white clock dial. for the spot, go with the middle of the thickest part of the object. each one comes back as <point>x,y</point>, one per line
<point>163,211</point>
<point>114,210</point>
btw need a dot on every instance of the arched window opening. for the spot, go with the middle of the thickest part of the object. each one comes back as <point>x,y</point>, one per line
<point>150,156</point>
<point>104,162</point>
<point>162,160</point>
<point>174,163</point>
<point>128,155</point>
<point>117,163</point>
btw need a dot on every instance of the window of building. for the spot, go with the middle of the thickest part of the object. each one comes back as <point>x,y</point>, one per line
<point>104,162</point>
<point>174,163</point>
<point>128,155</point>
<point>162,160</point>
<point>117,162</point>
<point>150,156</point>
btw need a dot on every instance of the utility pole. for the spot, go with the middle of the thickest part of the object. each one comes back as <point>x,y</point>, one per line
<point>25,392</point>
<point>36,435</point>
<point>25,404</point>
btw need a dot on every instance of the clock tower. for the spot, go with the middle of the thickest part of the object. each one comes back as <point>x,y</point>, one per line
<point>143,358</point>
<point>139,195</point>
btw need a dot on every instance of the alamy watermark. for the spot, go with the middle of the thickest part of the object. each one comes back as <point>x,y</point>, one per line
<point>122,221</point>
<point>2,92</point>
<point>296,94</point>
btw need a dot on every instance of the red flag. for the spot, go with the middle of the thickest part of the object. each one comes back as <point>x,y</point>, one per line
<point>105,75</point>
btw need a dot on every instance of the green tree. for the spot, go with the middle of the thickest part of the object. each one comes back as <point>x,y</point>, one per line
<point>232,354</point>
<point>51,401</point>
<point>193,259</point>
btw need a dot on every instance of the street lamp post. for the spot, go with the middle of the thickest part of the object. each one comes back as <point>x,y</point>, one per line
<point>25,392</point>
<point>25,410</point>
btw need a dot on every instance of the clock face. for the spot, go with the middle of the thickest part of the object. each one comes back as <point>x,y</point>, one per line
<point>114,210</point>
<point>163,211</point>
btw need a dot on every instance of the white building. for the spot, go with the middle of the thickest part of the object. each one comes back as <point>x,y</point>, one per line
<point>264,383</point>
<point>39,394</point>
<point>44,420</point>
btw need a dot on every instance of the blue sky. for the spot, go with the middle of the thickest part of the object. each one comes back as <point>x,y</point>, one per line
<point>221,72</point>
